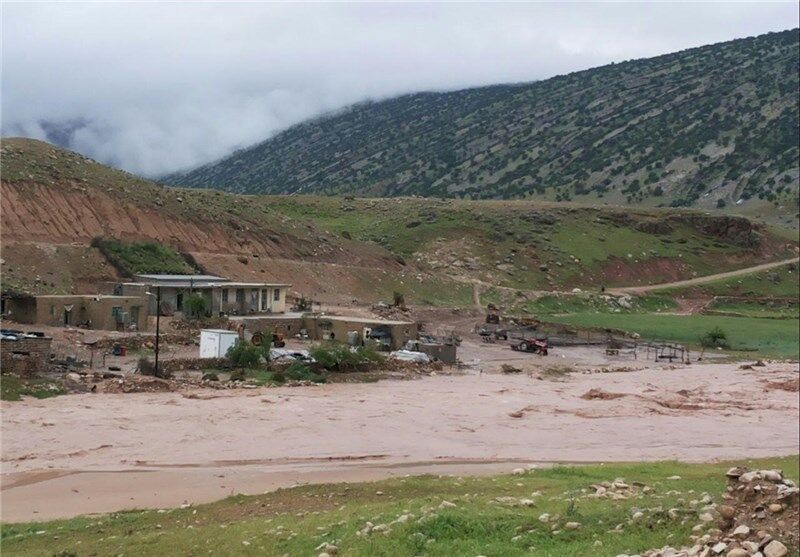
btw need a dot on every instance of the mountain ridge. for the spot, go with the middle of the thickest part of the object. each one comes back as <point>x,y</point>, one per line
<point>705,127</point>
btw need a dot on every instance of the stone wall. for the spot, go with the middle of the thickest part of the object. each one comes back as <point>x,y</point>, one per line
<point>25,356</point>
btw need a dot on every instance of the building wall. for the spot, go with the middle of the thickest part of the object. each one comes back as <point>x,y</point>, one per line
<point>52,310</point>
<point>25,356</point>
<point>320,327</point>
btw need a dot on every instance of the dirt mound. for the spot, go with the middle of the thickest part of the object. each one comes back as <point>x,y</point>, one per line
<point>600,394</point>
<point>791,385</point>
<point>138,384</point>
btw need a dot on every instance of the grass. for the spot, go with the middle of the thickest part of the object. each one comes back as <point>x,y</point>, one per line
<point>768,309</point>
<point>298,520</point>
<point>781,282</point>
<point>14,388</point>
<point>144,257</point>
<point>768,337</point>
<point>593,303</point>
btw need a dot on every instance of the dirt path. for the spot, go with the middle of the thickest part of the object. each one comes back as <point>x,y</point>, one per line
<point>702,280</point>
<point>92,453</point>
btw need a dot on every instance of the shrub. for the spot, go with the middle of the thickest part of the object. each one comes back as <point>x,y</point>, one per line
<point>334,356</point>
<point>715,338</point>
<point>238,375</point>
<point>196,305</point>
<point>298,371</point>
<point>243,354</point>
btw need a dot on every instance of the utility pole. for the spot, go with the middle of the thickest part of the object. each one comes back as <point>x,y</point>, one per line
<point>158,322</point>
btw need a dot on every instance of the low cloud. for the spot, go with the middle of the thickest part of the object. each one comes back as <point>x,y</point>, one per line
<point>159,87</point>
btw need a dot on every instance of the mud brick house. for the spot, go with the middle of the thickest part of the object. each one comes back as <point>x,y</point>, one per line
<point>24,354</point>
<point>224,296</point>
<point>391,335</point>
<point>93,311</point>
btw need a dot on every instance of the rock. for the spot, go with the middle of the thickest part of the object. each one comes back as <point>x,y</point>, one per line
<point>447,505</point>
<point>719,548</point>
<point>706,517</point>
<point>574,526</point>
<point>637,515</point>
<point>518,471</point>
<point>727,512</point>
<point>738,552</point>
<point>776,507</point>
<point>544,517</point>
<point>328,548</point>
<point>772,475</point>
<point>673,478</point>
<point>748,477</point>
<point>741,531</point>
<point>775,549</point>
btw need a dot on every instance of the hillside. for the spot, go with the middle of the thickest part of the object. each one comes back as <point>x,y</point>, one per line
<point>57,204</point>
<point>709,127</point>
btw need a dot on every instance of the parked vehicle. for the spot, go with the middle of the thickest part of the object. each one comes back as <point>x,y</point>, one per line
<point>535,345</point>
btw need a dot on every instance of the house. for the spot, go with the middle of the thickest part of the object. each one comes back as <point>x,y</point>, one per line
<point>223,295</point>
<point>93,311</point>
<point>391,335</point>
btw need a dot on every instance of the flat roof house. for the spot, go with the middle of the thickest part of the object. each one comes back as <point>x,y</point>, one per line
<point>224,296</point>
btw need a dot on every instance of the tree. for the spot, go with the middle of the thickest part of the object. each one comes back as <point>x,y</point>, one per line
<point>196,305</point>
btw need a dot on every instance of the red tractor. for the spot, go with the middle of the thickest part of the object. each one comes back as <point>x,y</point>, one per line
<point>535,345</point>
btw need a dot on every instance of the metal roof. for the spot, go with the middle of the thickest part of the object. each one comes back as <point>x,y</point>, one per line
<point>182,278</point>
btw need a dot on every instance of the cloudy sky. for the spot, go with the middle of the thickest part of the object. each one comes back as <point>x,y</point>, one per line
<point>158,87</point>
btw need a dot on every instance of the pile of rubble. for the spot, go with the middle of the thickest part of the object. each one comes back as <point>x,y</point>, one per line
<point>758,518</point>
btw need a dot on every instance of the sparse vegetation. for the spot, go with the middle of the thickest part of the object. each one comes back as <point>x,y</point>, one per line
<point>244,355</point>
<point>480,518</point>
<point>336,356</point>
<point>13,387</point>
<point>144,257</point>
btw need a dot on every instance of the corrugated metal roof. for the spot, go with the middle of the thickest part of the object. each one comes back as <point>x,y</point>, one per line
<point>183,278</point>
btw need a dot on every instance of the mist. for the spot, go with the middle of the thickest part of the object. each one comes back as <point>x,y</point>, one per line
<point>157,88</point>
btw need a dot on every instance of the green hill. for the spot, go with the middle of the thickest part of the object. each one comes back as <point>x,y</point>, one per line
<point>711,127</point>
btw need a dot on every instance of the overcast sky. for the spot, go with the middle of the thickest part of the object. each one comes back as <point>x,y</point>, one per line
<point>158,87</point>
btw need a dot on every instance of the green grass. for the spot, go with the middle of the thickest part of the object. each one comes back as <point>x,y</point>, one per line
<point>296,521</point>
<point>768,337</point>
<point>144,257</point>
<point>768,309</point>
<point>782,282</point>
<point>14,388</point>
<point>593,303</point>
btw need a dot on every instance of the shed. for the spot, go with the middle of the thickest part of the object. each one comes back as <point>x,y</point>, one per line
<point>214,343</point>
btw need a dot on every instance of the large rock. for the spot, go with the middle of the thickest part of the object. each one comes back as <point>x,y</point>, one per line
<point>775,549</point>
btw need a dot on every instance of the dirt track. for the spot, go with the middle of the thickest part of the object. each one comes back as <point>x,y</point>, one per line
<point>703,279</point>
<point>93,453</point>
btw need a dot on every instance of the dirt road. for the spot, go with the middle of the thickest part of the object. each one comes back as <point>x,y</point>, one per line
<point>702,280</point>
<point>91,453</point>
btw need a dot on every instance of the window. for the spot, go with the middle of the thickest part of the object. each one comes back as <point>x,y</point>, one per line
<point>276,295</point>
<point>116,313</point>
<point>240,295</point>
<point>225,295</point>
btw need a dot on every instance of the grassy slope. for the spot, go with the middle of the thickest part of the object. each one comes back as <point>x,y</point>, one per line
<point>518,237</point>
<point>769,337</point>
<point>502,243</point>
<point>782,282</point>
<point>295,521</point>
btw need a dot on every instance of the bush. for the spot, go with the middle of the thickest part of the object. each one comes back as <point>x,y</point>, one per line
<point>334,356</point>
<point>243,354</point>
<point>715,338</point>
<point>196,305</point>
<point>238,375</point>
<point>298,371</point>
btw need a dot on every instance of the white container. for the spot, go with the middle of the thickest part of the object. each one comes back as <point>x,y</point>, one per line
<point>214,343</point>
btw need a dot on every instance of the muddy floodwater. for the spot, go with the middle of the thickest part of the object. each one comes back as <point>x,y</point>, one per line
<point>91,453</point>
